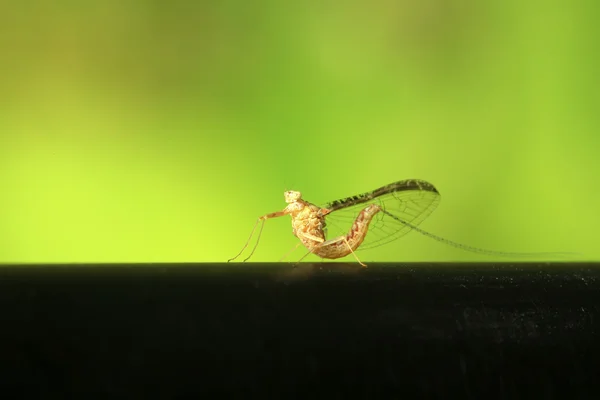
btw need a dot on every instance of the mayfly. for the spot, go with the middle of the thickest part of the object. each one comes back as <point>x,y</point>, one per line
<point>391,211</point>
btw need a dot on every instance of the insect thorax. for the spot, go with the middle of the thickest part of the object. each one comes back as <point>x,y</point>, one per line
<point>306,218</point>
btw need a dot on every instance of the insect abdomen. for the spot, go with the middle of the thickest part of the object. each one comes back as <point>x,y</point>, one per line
<point>344,245</point>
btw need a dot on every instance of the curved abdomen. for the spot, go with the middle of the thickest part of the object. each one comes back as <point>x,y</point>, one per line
<point>338,247</point>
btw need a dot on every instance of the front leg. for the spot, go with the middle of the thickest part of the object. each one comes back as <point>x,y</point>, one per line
<point>260,219</point>
<point>273,215</point>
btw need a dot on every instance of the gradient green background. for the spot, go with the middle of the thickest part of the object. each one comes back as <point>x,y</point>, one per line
<point>148,131</point>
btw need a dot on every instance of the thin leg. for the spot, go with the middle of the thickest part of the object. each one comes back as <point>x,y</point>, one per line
<point>257,239</point>
<point>288,253</point>
<point>263,219</point>
<point>312,237</point>
<point>352,251</point>
<point>303,257</point>
<point>247,241</point>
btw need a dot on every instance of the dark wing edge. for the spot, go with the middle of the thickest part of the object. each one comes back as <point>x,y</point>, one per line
<point>400,186</point>
<point>411,201</point>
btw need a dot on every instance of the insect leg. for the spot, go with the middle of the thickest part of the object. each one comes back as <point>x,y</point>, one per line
<point>263,219</point>
<point>247,241</point>
<point>352,251</point>
<point>304,256</point>
<point>288,253</point>
<point>257,239</point>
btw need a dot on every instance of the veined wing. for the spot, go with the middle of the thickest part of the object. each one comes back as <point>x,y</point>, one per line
<point>410,201</point>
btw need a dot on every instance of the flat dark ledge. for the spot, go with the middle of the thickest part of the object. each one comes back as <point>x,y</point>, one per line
<point>492,330</point>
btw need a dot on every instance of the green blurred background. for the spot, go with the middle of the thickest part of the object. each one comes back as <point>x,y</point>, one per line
<point>147,131</point>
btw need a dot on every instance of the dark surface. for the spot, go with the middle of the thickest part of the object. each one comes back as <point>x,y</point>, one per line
<point>177,331</point>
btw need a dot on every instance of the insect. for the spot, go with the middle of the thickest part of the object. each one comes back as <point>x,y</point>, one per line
<point>391,211</point>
